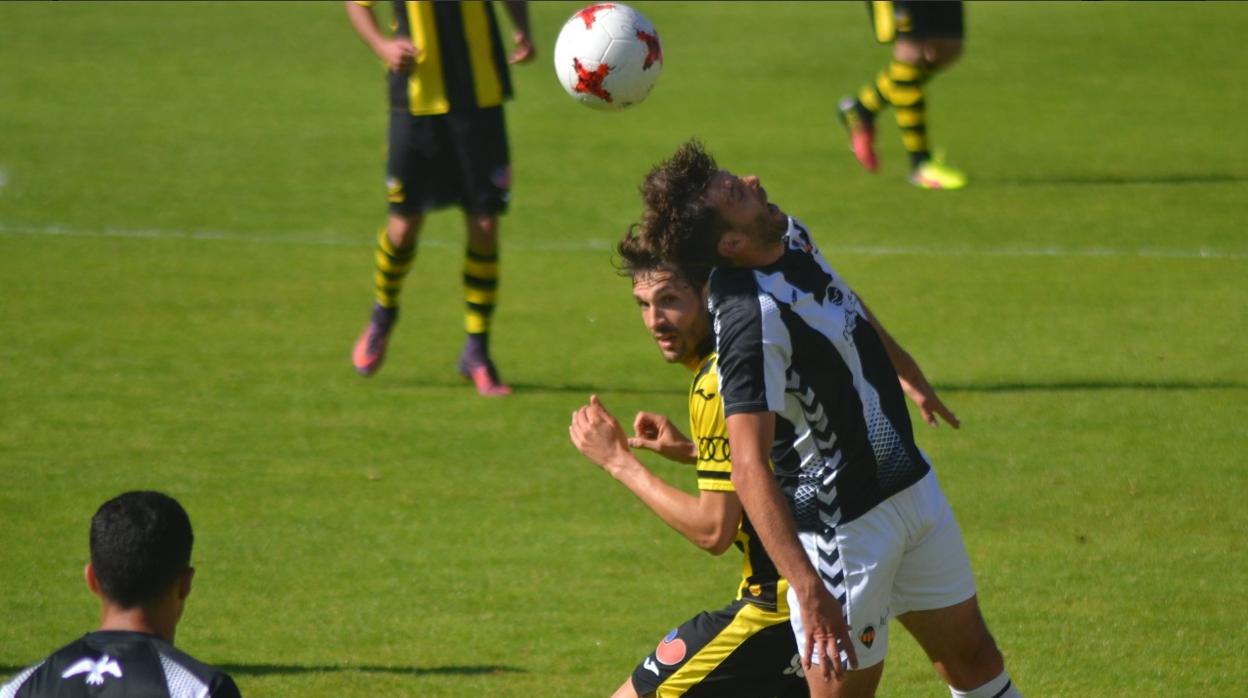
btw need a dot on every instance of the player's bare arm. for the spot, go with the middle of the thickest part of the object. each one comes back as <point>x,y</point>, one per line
<point>708,520</point>
<point>518,10</point>
<point>750,436</point>
<point>913,382</point>
<point>655,432</point>
<point>398,53</point>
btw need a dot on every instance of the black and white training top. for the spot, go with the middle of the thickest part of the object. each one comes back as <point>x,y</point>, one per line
<point>111,663</point>
<point>793,339</point>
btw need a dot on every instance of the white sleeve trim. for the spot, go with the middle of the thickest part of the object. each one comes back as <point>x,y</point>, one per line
<point>11,688</point>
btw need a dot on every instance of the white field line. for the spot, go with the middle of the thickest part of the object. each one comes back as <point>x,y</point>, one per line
<point>598,245</point>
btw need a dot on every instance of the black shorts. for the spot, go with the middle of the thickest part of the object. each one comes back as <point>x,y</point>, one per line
<point>916,19</point>
<point>740,651</point>
<point>456,159</point>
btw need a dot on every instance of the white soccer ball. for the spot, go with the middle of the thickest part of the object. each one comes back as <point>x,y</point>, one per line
<point>608,56</point>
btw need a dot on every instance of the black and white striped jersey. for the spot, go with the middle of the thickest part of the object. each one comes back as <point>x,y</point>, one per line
<point>111,663</point>
<point>793,339</point>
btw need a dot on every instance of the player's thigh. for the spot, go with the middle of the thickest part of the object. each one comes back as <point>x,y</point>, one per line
<point>928,19</point>
<point>739,650</point>
<point>484,159</point>
<point>863,556</point>
<point>861,683</point>
<point>958,642</point>
<point>934,572</point>
<point>421,166</point>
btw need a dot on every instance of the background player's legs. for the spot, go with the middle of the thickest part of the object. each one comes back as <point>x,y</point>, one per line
<point>396,249</point>
<point>480,297</point>
<point>961,649</point>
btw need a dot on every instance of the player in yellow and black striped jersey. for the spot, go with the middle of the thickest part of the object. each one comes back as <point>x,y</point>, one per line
<point>746,648</point>
<point>447,79</point>
<point>927,36</point>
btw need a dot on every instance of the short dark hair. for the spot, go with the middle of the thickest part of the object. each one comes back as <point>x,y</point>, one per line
<point>140,545</point>
<point>678,224</point>
<point>637,257</point>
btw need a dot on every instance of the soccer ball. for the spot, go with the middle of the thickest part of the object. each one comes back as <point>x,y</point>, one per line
<point>608,56</point>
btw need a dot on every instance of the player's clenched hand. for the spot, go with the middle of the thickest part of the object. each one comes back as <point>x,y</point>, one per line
<point>598,435</point>
<point>827,634</point>
<point>655,432</point>
<point>399,53</point>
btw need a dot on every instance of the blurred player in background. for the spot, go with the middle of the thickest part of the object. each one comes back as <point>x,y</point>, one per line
<point>747,647</point>
<point>926,36</point>
<point>448,79</point>
<point>141,570</point>
<point>812,383</point>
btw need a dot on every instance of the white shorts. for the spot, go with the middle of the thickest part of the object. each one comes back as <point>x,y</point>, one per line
<point>904,555</point>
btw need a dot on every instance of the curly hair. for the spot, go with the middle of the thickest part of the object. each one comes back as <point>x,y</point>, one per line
<point>678,226</point>
<point>637,257</point>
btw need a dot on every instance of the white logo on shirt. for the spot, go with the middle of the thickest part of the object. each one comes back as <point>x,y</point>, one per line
<point>651,666</point>
<point>95,671</point>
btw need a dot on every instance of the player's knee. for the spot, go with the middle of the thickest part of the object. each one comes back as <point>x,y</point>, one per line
<point>483,231</point>
<point>941,54</point>
<point>976,662</point>
<point>404,229</point>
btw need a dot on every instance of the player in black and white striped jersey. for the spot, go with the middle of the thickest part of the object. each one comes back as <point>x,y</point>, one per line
<point>813,382</point>
<point>140,568</point>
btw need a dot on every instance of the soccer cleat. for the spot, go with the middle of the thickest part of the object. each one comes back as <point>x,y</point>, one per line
<point>934,174</point>
<point>483,374</point>
<point>370,348</point>
<point>861,130</point>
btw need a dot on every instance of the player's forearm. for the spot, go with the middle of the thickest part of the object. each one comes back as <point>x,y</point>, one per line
<point>365,25</point>
<point>678,509</point>
<point>772,518</point>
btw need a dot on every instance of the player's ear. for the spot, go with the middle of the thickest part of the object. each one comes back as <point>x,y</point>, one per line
<point>88,573</point>
<point>184,583</point>
<point>730,244</point>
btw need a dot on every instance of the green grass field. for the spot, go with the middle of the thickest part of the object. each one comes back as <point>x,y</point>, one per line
<point>188,198</point>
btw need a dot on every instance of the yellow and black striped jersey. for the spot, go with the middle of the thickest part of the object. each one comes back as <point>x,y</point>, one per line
<point>460,62</point>
<point>761,583</point>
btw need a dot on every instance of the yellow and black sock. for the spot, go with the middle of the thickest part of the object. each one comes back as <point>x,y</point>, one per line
<point>392,267</point>
<point>480,290</point>
<point>901,86</point>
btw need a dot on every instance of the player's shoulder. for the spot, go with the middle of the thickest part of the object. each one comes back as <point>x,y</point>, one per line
<point>727,283</point>
<point>707,375</point>
<point>28,681</point>
<point>15,683</point>
<point>182,667</point>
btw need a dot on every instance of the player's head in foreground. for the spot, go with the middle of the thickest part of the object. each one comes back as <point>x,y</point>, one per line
<point>141,562</point>
<point>672,302</point>
<point>697,215</point>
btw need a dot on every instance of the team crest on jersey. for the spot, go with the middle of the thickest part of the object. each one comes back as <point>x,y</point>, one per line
<point>867,636</point>
<point>94,670</point>
<point>671,650</point>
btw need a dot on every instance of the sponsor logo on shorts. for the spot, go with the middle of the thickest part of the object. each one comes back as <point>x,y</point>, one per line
<point>902,17</point>
<point>671,650</point>
<point>501,177</point>
<point>867,636</point>
<point>795,666</point>
<point>394,190</point>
